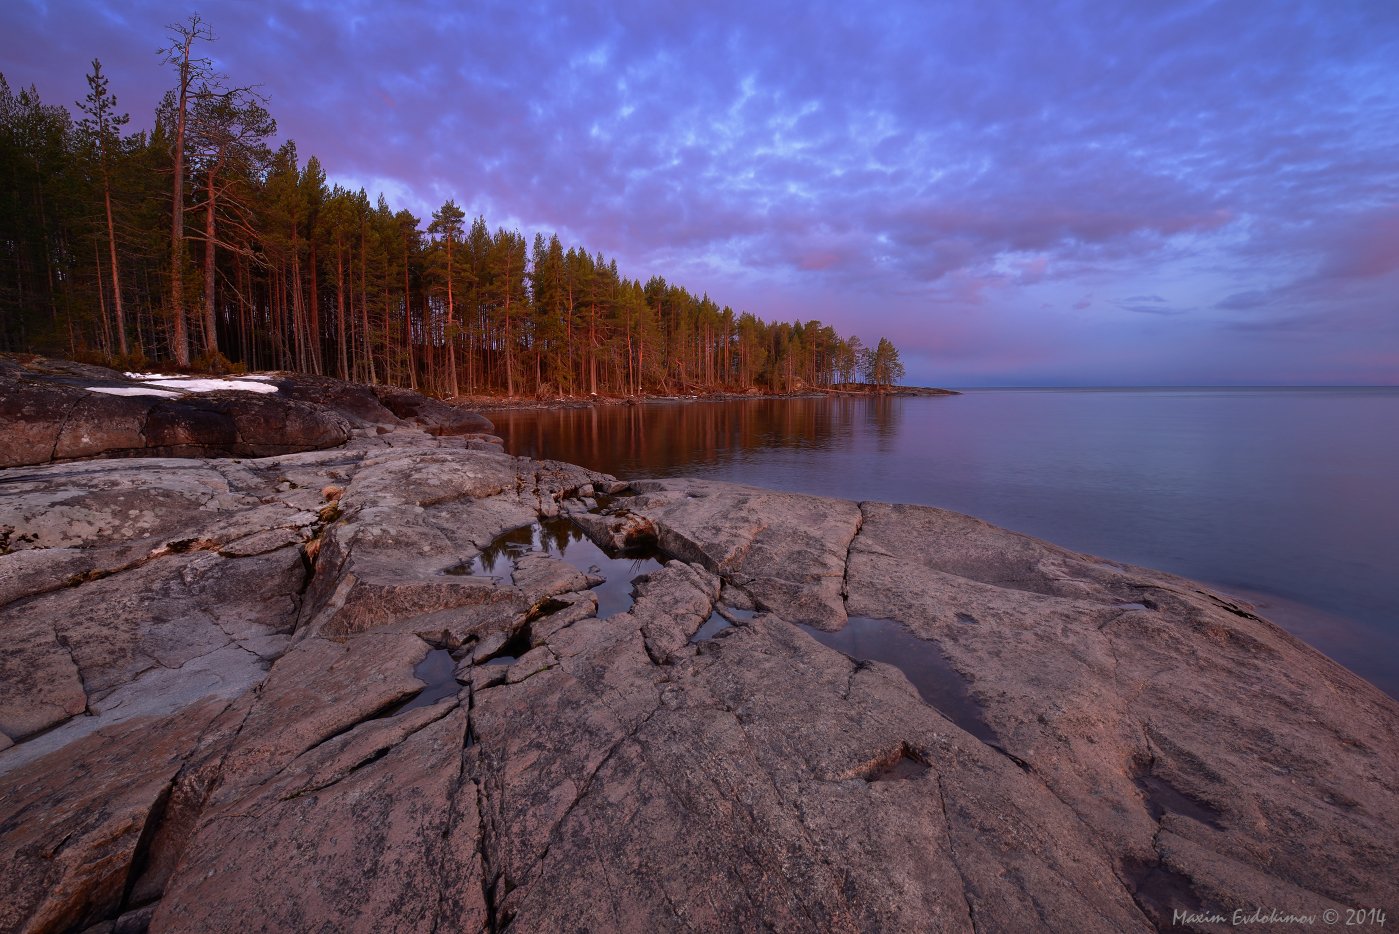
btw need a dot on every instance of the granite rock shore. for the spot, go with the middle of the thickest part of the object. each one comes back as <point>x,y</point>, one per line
<point>337,688</point>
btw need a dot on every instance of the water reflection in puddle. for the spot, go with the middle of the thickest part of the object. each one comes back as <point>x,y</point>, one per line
<point>437,670</point>
<point>722,618</point>
<point>712,627</point>
<point>560,538</point>
<point>1163,797</point>
<point>885,640</point>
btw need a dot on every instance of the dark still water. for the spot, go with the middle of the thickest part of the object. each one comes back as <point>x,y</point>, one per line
<point>1286,497</point>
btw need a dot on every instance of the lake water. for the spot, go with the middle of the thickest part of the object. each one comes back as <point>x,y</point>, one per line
<point>1288,498</point>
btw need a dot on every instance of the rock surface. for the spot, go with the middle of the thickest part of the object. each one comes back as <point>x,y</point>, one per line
<point>349,690</point>
<point>54,410</point>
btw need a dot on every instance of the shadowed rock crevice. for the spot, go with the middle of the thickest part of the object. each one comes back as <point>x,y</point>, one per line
<point>952,856</point>
<point>62,426</point>
<point>849,547</point>
<point>900,764</point>
<point>141,856</point>
<point>373,754</point>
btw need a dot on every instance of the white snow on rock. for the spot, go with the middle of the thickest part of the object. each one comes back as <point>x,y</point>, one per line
<point>134,391</point>
<point>204,384</point>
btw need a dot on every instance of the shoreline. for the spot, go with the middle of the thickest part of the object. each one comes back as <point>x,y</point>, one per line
<point>495,403</point>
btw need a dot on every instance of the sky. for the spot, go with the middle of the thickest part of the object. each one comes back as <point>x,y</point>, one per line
<point>1016,193</point>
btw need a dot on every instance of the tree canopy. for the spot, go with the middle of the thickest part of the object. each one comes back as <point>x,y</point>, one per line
<point>136,248</point>
<point>881,366</point>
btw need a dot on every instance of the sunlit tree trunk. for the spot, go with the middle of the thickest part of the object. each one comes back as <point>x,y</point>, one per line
<point>408,318</point>
<point>211,345</point>
<point>340,306</point>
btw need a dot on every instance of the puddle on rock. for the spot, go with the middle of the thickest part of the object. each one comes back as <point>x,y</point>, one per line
<point>437,670</point>
<point>497,560</point>
<point>712,627</point>
<point>723,617</point>
<point>885,640</point>
<point>1161,892</point>
<point>560,538</point>
<point>1162,797</point>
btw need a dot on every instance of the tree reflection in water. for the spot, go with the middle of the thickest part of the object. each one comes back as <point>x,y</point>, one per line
<point>660,439</point>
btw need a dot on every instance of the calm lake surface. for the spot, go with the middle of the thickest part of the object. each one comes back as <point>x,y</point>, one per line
<point>1288,498</point>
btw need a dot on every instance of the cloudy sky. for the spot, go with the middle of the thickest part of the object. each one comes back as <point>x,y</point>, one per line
<point>1028,193</point>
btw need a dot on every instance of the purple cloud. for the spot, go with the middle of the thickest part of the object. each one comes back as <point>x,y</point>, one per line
<point>885,166</point>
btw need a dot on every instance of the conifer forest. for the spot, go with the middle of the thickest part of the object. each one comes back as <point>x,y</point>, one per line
<point>201,244</point>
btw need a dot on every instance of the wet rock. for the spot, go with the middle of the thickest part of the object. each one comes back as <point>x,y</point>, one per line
<point>357,403</point>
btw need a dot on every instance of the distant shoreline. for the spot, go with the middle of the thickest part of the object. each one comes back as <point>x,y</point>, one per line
<point>489,402</point>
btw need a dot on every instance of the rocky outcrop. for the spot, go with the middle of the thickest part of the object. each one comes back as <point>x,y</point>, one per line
<point>54,410</point>
<point>435,417</point>
<point>372,689</point>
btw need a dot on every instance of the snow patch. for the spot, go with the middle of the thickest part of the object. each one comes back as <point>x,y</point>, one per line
<point>209,385</point>
<point>203,384</point>
<point>134,391</point>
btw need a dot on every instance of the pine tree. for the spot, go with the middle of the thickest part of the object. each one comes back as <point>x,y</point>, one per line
<point>190,69</point>
<point>447,226</point>
<point>101,131</point>
<point>227,141</point>
<point>882,367</point>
